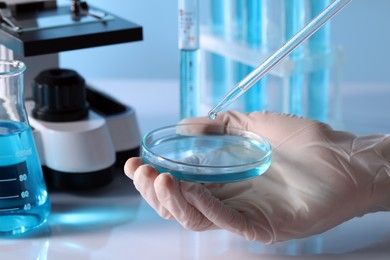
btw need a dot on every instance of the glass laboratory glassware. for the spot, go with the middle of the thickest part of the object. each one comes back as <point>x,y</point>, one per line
<point>24,201</point>
<point>207,153</point>
<point>189,58</point>
<point>253,77</point>
<point>236,35</point>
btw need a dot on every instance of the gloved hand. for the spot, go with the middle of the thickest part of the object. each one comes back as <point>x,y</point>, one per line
<point>318,179</point>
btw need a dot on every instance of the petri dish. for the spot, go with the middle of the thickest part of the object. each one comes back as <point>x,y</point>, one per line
<point>206,153</point>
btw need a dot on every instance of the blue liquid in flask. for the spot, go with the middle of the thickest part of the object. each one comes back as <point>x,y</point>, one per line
<point>24,201</point>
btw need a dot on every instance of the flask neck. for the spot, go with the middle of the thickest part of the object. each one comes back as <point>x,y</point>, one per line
<point>12,92</point>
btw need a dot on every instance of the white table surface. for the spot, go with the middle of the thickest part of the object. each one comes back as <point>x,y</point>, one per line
<point>115,223</point>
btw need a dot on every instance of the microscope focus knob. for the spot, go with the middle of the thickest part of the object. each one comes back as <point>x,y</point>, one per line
<point>59,96</point>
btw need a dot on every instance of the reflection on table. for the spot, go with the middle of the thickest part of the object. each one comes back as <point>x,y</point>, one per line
<point>114,222</point>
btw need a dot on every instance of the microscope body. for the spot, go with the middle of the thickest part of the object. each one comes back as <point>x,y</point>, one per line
<point>80,153</point>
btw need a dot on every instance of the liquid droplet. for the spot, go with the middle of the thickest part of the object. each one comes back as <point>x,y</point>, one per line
<point>212,115</point>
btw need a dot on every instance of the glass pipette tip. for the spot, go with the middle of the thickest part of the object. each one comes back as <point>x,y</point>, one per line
<point>254,76</point>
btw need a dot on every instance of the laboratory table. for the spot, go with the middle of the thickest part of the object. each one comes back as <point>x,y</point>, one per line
<point>114,222</point>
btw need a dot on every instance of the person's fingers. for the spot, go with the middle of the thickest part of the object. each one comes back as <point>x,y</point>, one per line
<point>131,166</point>
<point>223,124</point>
<point>267,124</point>
<point>229,118</point>
<point>233,119</point>
<point>144,178</point>
<point>170,195</point>
<point>278,128</point>
<point>225,216</point>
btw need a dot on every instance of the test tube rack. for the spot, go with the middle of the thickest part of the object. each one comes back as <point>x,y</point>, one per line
<point>237,35</point>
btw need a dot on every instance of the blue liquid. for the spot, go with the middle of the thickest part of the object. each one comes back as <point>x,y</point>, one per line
<point>24,201</point>
<point>189,83</point>
<point>219,64</point>
<point>295,21</point>
<point>212,115</point>
<point>209,158</point>
<point>318,81</point>
<point>255,97</point>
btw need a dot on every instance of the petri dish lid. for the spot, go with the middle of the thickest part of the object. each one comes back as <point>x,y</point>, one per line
<point>207,152</point>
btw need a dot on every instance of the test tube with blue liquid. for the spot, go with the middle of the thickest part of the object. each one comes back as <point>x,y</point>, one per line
<point>319,80</point>
<point>256,96</point>
<point>189,58</point>
<point>218,64</point>
<point>236,21</point>
<point>240,16</point>
<point>253,77</point>
<point>295,21</point>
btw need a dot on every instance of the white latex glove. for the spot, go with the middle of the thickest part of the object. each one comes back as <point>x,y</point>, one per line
<point>318,179</point>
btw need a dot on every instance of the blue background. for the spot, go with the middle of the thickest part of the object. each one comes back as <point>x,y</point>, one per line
<point>362,29</point>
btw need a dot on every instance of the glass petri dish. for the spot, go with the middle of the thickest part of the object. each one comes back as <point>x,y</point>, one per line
<point>206,153</point>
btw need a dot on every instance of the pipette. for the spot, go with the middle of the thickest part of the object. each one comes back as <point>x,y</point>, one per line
<point>247,82</point>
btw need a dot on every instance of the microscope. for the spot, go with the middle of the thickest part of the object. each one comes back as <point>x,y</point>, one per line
<point>81,134</point>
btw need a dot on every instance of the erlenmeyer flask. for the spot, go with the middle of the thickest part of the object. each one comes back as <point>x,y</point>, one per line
<point>24,201</point>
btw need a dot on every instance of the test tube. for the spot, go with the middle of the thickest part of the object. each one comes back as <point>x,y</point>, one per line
<point>295,21</point>
<point>256,96</point>
<point>239,7</point>
<point>253,77</point>
<point>218,63</point>
<point>318,81</point>
<point>189,58</point>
